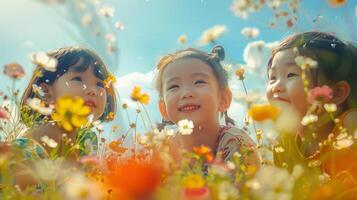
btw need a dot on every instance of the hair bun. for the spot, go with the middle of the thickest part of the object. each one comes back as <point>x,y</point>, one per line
<point>218,52</point>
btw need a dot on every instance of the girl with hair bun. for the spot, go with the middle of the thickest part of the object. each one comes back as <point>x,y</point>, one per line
<point>193,85</point>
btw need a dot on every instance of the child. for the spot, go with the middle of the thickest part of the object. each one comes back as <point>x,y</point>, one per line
<point>79,73</point>
<point>193,85</point>
<point>336,68</point>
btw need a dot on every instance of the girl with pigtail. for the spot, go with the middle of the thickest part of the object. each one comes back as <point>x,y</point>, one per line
<point>193,85</point>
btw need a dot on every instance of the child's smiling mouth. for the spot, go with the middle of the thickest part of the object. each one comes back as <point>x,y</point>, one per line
<point>189,108</point>
<point>90,103</point>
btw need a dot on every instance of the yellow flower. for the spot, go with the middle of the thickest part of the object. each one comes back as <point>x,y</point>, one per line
<point>110,80</point>
<point>193,181</point>
<point>240,73</point>
<point>263,112</point>
<point>136,95</point>
<point>144,99</point>
<point>110,116</point>
<point>70,112</point>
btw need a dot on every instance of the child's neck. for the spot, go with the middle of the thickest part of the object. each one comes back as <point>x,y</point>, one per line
<point>203,134</point>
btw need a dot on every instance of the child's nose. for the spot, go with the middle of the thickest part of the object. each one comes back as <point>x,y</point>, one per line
<point>91,92</point>
<point>187,93</point>
<point>278,87</point>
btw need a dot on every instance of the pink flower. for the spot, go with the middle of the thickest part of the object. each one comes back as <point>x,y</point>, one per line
<point>90,160</point>
<point>3,114</point>
<point>14,70</point>
<point>320,94</point>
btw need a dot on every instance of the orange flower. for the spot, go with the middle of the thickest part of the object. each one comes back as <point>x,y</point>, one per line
<point>336,3</point>
<point>263,112</point>
<point>240,73</point>
<point>133,180</point>
<point>204,151</point>
<point>117,147</point>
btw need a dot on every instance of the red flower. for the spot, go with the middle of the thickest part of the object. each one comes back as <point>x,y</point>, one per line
<point>196,193</point>
<point>14,70</point>
<point>320,94</point>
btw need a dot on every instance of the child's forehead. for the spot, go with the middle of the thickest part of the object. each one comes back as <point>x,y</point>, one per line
<point>284,58</point>
<point>186,67</point>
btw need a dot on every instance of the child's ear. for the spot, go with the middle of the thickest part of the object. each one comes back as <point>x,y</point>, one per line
<point>225,100</point>
<point>47,90</point>
<point>341,91</point>
<point>163,110</point>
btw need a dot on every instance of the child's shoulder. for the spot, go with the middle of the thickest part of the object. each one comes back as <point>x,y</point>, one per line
<point>232,134</point>
<point>30,148</point>
<point>233,139</point>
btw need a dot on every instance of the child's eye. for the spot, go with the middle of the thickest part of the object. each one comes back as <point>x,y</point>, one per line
<point>172,87</point>
<point>200,82</point>
<point>76,78</point>
<point>100,84</point>
<point>292,75</point>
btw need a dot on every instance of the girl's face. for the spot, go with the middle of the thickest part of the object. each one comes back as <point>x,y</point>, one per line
<point>285,83</point>
<point>84,84</point>
<point>190,91</point>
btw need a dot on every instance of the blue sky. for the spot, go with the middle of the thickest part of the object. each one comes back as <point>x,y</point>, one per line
<point>152,28</point>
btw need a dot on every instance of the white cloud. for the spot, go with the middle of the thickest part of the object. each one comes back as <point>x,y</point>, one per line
<point>256,54</point>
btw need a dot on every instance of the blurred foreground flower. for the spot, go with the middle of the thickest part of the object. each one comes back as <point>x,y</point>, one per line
<point>309,119</point>
<point>289,118</point>
<point>45,61</point>
<point>39,106</point>
<point>194,187</point>
<point>14,70</point>
<point>263,112</point>
<point>204,151</point>
<point>185,127</point>
<point>79,187</point>
<point>133,180</point>
<point>70,112</point>
<point>211,35</point>
<point>263,186</point>
<point>343,140</point>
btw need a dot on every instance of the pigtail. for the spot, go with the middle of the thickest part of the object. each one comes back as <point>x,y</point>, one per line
<point>227,119</point>
<point>218,53</point>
